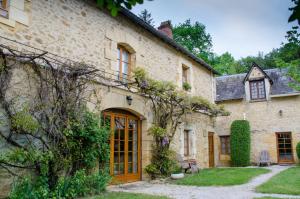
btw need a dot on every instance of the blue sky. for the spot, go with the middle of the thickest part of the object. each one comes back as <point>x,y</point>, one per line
<point>241,27</point>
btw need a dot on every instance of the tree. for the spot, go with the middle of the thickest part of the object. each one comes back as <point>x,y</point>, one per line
<point>145,15</point>
<point>194,38</point>
<point>240,143</point>
<point>293,38</point>
<point>225,64</point>
<point>115,5</point>
<point>295,16</point>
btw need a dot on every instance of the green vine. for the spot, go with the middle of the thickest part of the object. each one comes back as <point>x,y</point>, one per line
<point>169,105</point>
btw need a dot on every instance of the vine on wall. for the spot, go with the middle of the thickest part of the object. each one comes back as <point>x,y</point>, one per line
<point>50,132</point>
<point>169,105</point>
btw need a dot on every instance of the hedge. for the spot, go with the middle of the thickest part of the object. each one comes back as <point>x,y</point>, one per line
<point>298,150</point>
<point>240,143</point>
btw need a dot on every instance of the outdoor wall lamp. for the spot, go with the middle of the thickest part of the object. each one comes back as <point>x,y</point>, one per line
<point>280,112</point>
<point>129,99</point>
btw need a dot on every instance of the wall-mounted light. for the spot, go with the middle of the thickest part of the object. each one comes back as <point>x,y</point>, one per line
<point>280,112</point>
<point>129,99</point>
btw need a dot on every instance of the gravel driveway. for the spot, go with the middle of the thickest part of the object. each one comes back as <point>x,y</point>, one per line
<point>245,191</point>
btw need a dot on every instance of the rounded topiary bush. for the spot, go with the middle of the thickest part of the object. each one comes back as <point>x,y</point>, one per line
<point>240,143</point>
<point>298,150</point>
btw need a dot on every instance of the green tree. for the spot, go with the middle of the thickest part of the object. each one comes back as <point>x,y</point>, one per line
<point>293,38</point>
<point>225,64</point>
<point>114,6</point>
<point>145,15</point>
<point>295,16</point>
<point>240,143</point>
<point>194,38</point>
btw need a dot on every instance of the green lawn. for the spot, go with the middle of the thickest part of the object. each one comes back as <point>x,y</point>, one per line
<point>286,182</point>
<point>222,176</point>
<point>123,195</point>
<point>267,198</point>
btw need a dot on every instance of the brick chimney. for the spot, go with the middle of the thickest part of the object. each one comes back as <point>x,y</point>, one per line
<point>166,28</point>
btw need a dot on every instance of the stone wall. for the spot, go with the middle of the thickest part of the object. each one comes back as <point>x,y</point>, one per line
<point>80,31</point>
<point>265,120</point>
<point>77,30</point>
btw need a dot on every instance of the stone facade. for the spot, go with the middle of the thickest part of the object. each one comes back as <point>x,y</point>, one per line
<point>79,31</point>
<point>274,114</point>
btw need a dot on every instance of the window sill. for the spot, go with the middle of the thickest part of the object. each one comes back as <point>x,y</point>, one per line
<point>258,100</point>
<point>7,22</point>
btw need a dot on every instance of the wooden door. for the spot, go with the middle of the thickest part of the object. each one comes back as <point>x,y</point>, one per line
<point>284,148</point>
<point>211,149</point>
<point>124,147</point>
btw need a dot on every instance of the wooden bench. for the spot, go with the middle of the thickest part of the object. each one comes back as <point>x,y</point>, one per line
<point>188,165</point>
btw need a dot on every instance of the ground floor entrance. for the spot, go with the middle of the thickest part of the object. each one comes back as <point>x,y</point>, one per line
<point>284,147</point>
<point>211,150</point>
<point>125,146</point>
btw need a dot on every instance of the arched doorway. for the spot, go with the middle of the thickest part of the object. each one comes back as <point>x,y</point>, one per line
<point>125,145</point>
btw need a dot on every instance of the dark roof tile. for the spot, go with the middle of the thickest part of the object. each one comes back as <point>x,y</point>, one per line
<point>231,87</point>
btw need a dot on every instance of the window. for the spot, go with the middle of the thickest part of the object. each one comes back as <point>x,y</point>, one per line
<point>257,89</point>
<point>186,143</point>
<point>3,4</point>
<point>3,8</point>
<point>123,64</point>
<point>225,145</point>
<point>184,74</point>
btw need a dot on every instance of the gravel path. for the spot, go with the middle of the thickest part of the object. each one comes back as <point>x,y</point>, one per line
<point>245,191</point>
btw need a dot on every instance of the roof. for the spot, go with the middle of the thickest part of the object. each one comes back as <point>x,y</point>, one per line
<point>231,87</point>
<point>135,19</point>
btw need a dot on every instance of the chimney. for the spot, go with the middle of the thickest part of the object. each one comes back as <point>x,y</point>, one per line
<point>166,28</point>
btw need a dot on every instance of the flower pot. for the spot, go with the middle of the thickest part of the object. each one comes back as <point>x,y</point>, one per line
<point>176,176</point>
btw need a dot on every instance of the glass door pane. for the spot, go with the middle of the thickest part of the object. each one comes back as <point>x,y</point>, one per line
<point>285,153</point>
<point>132,146</point>
<point>119,145</point>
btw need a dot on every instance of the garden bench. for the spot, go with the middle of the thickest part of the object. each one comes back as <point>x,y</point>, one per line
<point>264,158</point>
<point>190,164</point>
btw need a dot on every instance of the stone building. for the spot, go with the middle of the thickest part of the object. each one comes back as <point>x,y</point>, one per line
<point>79,31</point>
<point>266,100</point>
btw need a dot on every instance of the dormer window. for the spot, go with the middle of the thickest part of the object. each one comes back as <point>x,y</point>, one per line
<point>257,89</point>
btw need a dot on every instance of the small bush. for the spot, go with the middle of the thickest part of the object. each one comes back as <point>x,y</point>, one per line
<point>186,86</point>
<point>81,184</point>
<point>240,143</point>
<point>29,188</point>
<point>162,164</point>
<point>298,150</point>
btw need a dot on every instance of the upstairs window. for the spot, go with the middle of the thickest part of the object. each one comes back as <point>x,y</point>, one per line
<point>257,90</point>
<point>186,143</point>
<point>123,64</point>
<point>185,78</point>
<point>184,74</point>
<point>225,145</point>
<point>3,8</point>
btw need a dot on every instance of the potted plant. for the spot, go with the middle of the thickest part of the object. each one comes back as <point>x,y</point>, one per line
<point>186,86</point>
<point>177,173</point>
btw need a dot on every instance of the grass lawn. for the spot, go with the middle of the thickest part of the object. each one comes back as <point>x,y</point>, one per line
<point>123,195</point>
<point>286,182</point>
<point>267,198</point>
<point>221,176</point>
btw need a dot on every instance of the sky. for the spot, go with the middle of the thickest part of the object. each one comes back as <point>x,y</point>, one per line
<point>241,27</point>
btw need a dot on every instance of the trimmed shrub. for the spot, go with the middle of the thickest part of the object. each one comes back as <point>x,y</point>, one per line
<point>240,143</point>
<point>298,150</point>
